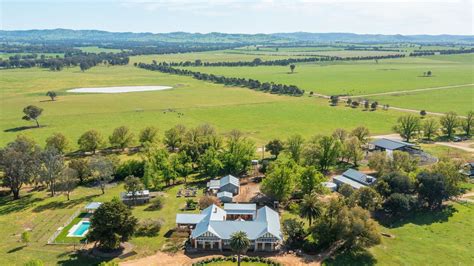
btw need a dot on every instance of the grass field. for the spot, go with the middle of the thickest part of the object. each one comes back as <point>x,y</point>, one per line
<point>444,238</point>
<point>360,78</point>
<point>261,116</point>
<point>460,100</point>
<point>95,49</point>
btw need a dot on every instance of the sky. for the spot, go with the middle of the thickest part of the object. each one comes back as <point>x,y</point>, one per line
<point>243,16</point>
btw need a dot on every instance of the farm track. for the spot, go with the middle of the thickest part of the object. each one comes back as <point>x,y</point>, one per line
<point>411,91</point>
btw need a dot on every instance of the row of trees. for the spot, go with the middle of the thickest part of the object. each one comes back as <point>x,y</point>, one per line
<point>410,126</point>
<point>241,82</point>
<point>443,52</point>
<point>277,62</point>
<point>72,59</point>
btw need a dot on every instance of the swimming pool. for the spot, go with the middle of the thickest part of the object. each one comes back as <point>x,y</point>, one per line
<point>80,229</point>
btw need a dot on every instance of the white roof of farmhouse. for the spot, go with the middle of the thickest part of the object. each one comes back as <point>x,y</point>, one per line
<point>266,221</point>
<point>224,194</point>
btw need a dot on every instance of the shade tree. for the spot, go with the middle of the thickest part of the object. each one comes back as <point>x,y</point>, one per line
<point>58,142</point>
<point>32,113</point>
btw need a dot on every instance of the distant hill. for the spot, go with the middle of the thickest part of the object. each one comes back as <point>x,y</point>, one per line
<point>97,36</point>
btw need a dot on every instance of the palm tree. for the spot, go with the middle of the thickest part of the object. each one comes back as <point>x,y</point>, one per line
<point>239,243</point>
<point>310,208</point>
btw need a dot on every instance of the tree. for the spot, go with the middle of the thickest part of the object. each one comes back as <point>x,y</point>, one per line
<point>408,127</point>
<point>397,204</point>
<point>32,113</point>
<point>352,228</point>
<point>182,164</point>
<point>428,73</point>
<point>378,161</point>
<point>449,169</point>
<point>361,133</point>
<point>52,165</point>
<point>322,151</point>
<point>52,95</point>
<point>403,162</point>
<point>102,169</point>
<point>346,191</point>
<point>292,68</point>
<point>280,180</point>
<point>19,162</point>
<point>90,141</point>
<point>311,180</point>
<point>67,181</point>
<point>111,224</point>
<point>432,189</point>
<point>311,207</point>
<point>468,123</point>
<point>353,151</point>
<point>334,100</point>
<point>148,135</point>
<point>207,201</point>
<point>34,262</point>
<point>340,134</point>
<point>57,141</point>
<point>294,146</point>
<point>84,66</point>
<point>449,122</point>
<point>395,183</point>
<point>26,237</point>
<point>81,166</point>
<point>133,186</point>
<point>239,243</point>
<point>238,154</point>
<point>121,137</point>
<point>367,198</point>
<point>275,147</point>
<point>210,164</point>
<point>366,105</point>
<point>174,137</point>
<point>295,232</point>
<point>430,128</point>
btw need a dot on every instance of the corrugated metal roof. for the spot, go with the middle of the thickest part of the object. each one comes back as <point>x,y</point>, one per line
<point>229,179</point>
<point>358,176</point>
<point>93,205</point>
<point>240,206</point>
<point>350,182</point>
<point>391,144</point>
<point>224,194</point>
<point>214,184</point>
<point>187,218</point>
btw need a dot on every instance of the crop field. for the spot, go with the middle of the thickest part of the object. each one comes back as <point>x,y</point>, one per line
<point>260,115</point>
<point>360,78</point>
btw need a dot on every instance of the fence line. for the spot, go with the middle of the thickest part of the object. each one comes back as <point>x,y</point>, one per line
<point>58,231</point>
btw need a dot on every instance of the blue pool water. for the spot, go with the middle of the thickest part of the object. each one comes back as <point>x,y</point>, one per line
<point>81,229</point>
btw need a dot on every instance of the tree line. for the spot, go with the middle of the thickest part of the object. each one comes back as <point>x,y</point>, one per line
<point>70,59</point>
<point>442,52</point>
<point>229,81</point>
<point>411,127</point>
<point>277,62</point>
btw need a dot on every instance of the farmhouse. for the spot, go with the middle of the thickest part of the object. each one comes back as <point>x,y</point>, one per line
<point>228,183</point>
<point>354,179</point>
<point>213,227</point>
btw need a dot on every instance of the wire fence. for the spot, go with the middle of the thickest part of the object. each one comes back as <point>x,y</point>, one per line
<point>52,238</point>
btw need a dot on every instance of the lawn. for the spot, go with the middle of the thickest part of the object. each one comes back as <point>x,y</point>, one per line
<point>38,212</point>
<point>360,78</point>
<point>444,238</point>
<point>261,116</point>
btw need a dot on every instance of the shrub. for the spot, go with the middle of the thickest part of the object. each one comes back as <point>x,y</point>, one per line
<point>207,201</point>
<point>191,204</point>
<point>155,204</point>
<point>34,263</point>
<point>149,227</point>
<point>131,167</point>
